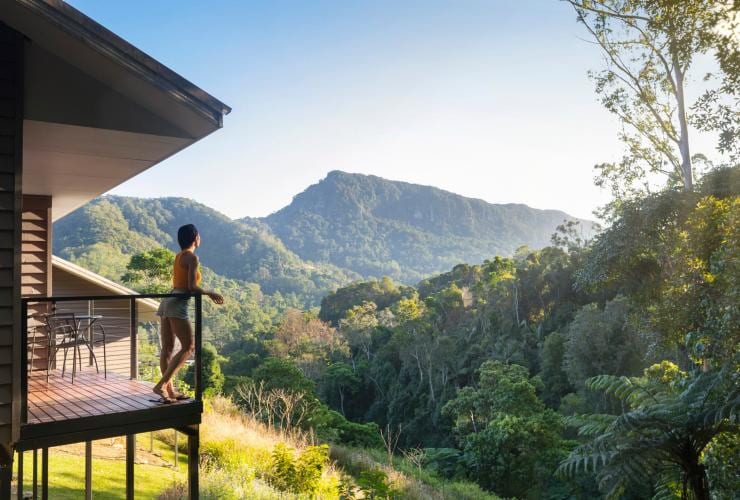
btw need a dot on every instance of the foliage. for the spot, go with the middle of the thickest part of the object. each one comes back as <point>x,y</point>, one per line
<point>308,342</point>
<point>211,375</point>
<point>381,292</point>
<point>650,47</point>
<point>676,256</point>
<point>555,379</point>
<point>510,439</point>
<point>670,417</point>
<point>150,271</point>
<point>602,341</point>
<point>298,472</point>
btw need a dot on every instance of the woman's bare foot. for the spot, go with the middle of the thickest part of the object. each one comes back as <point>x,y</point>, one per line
<point>177,396</point>
<point>162,393</point>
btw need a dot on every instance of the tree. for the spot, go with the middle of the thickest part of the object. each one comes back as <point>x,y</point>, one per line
<point>358,327</point>
<point>282,374</point>
<point>150,271</point>
<point>340,380</point>
<point>676,256</point>
<point>602,341</point>
<point>649,47</point>
<point>211,375</point>
<point>511,439</point>
<point>670,418</point>
<point>309,342</point>
<point>556,384</point>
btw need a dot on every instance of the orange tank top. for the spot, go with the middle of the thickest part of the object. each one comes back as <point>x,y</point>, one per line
<point>180,274</point>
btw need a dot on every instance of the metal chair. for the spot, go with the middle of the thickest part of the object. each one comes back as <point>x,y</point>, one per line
<point>64,332</point>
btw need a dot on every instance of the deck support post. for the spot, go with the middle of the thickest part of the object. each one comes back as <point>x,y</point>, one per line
<point>6,474</point>
<point>193,459</point>
<point>35,474</point>
<point>44,473</point>
<point>88,470</point>
<point>130,457</point>
<point>19,481</point>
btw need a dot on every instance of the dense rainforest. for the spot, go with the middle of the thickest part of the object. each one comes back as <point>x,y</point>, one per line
<point>584,368</point>
<point>578,369</point>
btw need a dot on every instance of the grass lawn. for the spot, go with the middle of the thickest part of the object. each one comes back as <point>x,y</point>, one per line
<point>67,473</point>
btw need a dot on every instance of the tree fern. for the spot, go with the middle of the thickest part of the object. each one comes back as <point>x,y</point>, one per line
<point>659,438</point>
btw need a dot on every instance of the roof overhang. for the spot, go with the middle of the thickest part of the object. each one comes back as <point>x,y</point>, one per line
<point>97,110</point>
<point>148,306</point>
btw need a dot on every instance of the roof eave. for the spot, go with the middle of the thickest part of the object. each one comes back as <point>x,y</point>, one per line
<point>107,43</point>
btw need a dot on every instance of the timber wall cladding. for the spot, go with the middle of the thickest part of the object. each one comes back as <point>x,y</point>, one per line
<point>11,151</point>
<point>36,271</point>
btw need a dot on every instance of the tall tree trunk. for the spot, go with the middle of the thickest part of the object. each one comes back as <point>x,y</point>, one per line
<point>683,139</point>
<point>696,474</point>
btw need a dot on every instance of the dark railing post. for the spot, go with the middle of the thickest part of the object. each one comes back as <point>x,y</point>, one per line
<point>25,371</point>
<point>193,463</point>
<point>19,482</point>
<point>130,460</point>
<point>134,340</point>
<point>198,346</point>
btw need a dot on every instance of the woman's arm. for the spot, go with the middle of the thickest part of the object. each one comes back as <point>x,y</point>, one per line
<point>192,263</point>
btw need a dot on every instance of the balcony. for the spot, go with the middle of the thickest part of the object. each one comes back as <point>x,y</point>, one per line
<point>104,386</point>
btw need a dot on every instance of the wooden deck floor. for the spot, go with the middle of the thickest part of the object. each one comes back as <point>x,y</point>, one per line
<point>91,395</point>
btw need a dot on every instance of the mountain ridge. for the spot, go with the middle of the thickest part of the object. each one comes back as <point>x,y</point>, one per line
<point>343,228</point>
<point>375,227</point>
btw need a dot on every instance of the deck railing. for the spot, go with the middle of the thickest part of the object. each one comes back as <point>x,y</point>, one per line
<point>120,322</point>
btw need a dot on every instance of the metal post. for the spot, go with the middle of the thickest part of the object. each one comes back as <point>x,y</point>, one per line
<point>193,445</point>
<point>6,477</point>
<point>35,488</point>
<point>44,473</point>
<point>25,371</point>
<point>130,457</point>
<point>19,482</point>
<point>88,470</point>
<point>134,342</point>
<point>198,346</point>
<point>177,452</point>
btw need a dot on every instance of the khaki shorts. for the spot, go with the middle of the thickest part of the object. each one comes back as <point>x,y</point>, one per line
<point>174,307</point>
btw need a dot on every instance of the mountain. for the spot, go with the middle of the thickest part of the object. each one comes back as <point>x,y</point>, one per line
<point>103,235</point>
<point>377,227</point>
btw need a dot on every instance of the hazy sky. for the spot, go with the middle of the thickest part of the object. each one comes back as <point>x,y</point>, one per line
<point>486,98</point>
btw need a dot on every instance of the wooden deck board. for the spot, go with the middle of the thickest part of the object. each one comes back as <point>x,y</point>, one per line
<point>91,395</point>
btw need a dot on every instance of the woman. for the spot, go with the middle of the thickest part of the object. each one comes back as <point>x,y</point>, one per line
<point>174,313</point>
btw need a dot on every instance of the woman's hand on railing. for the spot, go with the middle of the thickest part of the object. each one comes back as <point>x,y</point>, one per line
<point>216,297</point>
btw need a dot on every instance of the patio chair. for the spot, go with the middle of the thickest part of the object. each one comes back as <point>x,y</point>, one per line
<point>63,330</point>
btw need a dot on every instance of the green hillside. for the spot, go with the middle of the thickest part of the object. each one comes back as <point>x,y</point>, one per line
<point>377,227</point>
<point>104,233</point>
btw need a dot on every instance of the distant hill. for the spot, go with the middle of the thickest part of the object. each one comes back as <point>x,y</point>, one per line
<point>376,227</point>
<point>104,233</point>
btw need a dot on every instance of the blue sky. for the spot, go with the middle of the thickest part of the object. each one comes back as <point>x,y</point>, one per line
<point>486,98</point>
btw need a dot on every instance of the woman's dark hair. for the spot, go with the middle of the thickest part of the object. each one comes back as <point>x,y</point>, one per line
<point>186,235</point>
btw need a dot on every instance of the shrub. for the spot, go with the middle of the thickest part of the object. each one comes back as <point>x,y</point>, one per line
<point>333,427</point>
<point>298,472</point>
<point>374,483</point>
<point>447,462</point>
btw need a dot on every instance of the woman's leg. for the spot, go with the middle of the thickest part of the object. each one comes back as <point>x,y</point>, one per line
<point>168,345</point>
<point>167,337</point>
<point>184,333</point>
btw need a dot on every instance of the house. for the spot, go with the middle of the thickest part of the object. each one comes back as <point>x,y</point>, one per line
<point>81,111</point>
<point>71,280</point>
